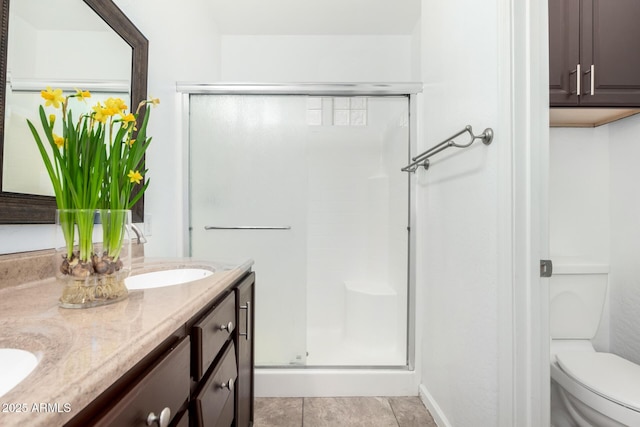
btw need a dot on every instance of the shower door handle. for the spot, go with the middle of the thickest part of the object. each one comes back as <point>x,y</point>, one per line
<point>248,227</point>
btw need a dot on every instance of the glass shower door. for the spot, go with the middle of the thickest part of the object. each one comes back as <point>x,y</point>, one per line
<point>311,189</point>
<point>246,171</point>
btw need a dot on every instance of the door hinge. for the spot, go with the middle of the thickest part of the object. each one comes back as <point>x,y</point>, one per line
<point>546,268</point>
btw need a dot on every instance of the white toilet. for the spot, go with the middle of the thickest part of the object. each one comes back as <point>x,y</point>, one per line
<point>588,388</point>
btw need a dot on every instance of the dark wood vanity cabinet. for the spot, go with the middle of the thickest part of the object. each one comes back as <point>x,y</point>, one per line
<point>161,393</point>
<point>210,334</point>
<point>594,53</point>
<point>214,402</point>
<point>200,376</point>
<point>222,389</point>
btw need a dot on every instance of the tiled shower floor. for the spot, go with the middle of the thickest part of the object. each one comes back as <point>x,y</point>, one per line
<point>341,412</point>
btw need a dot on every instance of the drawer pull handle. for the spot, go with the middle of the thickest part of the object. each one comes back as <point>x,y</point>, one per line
<point>247,307</point>
<point>228,385</point>
<point>161,420</point>
<point>228,327</point>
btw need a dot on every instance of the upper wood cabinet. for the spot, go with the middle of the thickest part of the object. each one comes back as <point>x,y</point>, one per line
<point>594,53</point>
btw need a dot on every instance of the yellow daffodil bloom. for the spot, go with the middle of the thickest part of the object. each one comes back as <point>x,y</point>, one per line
<point>127,119</point>
<point>52,97</point>
<point>155,101</point>
<point>116,105</point>
<point>82,94</point>
<point>58,140</point>
<point>100,113</point>
<point>131,142</point>
<point>52,119</point>
<point>135,176</point>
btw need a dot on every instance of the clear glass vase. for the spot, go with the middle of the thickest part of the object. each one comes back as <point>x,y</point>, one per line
<point>92,256</point>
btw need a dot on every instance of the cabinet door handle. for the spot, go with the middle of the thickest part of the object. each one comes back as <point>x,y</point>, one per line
<point>247,307</point>
<point>161,420</point>
<point>578,74</point>
<point>592,71</point>
<point>228,385</point>
<point>228,327</point>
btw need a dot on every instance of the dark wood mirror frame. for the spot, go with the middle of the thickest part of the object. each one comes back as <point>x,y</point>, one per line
<point>18,208</point>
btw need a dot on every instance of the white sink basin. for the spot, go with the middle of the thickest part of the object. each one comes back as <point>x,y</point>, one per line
<point>159,279</point>
<point>15,366</point>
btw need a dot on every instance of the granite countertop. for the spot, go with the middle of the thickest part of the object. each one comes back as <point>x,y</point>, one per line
<point>81,352</point>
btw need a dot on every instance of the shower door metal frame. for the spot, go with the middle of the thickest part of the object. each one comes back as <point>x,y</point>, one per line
<point>409,90</point>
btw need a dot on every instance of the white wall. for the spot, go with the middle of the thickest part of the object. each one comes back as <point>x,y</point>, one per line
<point>625,238</point>
<point>313,58</point>
<point>458,204</point>
<point>579,193</point>
<point>579,203</point>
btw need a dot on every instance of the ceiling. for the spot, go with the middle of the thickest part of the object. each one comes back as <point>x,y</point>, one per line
<point>315,17</point>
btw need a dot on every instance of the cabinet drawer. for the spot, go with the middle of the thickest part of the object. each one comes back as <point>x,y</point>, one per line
<point>166,385</point>
<point>214,404</point>
<point>210,334</point>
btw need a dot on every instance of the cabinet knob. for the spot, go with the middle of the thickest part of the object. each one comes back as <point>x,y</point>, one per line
<point>228,385</point>
<point>228,327</point>
<point>161,420</point>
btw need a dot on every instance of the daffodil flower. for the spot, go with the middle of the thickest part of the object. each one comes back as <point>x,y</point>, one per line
<point>52,119</point>
<point>116,105</point>
<point>152,101</point>
<point>131,142</point>
<point>100,113</point>
<point>82,94</point>
<point>58,140</point>
<point>127,119</point>
<point>52,97</point>
<point>134,176</point>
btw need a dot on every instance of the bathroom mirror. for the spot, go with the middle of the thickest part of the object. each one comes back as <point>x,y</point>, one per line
<point>38,50</point>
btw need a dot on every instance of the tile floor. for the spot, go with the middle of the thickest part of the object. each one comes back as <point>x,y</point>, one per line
<point>341,412</point>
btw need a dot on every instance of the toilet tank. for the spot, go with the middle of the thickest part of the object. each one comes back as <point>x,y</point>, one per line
<point>577,292</point>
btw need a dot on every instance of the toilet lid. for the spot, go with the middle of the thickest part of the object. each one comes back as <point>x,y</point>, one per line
<point>610,376</point>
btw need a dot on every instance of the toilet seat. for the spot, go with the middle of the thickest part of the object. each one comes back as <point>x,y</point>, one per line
<point>606,374</point>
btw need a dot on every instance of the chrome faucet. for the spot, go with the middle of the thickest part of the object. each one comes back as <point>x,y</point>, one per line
<point>139,234</point>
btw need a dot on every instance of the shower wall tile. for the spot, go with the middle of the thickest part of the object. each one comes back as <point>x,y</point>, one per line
<point>341,117</point>
<point>341,103</point>
<point>314,117</point>
<point>358,103</point>
<point>314,103</point>
<point>358,117</point>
